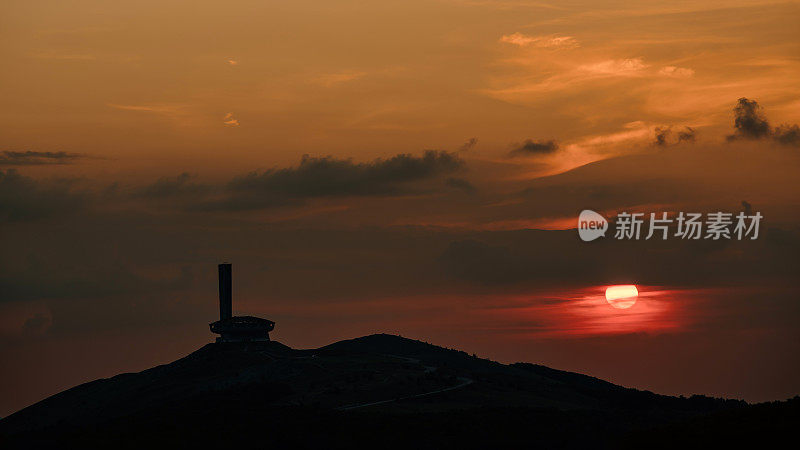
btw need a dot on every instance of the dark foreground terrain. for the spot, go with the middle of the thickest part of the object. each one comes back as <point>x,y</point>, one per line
<point>385,392</point>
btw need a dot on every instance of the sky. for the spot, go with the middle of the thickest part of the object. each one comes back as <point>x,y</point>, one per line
<point>409,167</point>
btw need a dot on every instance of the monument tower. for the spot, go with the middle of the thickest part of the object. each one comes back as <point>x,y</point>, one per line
<point>236,328</point>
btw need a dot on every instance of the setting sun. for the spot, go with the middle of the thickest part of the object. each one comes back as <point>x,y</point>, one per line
<point>623,296</point>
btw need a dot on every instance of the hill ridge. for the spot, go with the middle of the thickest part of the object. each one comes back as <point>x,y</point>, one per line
<point>379,373</point>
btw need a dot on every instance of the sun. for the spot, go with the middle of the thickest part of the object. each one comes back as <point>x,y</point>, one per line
<point>622,296</point>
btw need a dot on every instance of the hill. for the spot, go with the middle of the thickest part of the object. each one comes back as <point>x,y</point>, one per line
<point>378,390</point>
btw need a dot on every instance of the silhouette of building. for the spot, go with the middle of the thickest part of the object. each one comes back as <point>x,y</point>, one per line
<point>236,328</point>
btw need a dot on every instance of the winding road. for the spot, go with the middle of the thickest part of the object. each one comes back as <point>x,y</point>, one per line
<point>463,381</point>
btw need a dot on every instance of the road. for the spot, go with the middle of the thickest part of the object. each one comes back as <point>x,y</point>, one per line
<point>463,381</point>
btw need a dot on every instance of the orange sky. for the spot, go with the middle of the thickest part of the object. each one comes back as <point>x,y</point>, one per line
<point>151,86</point>
<point>143,142</point>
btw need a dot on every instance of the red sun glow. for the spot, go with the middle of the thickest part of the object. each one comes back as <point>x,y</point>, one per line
<point>622,296</point>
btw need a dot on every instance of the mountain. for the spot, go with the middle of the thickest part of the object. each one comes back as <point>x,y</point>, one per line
<point>378,390</point>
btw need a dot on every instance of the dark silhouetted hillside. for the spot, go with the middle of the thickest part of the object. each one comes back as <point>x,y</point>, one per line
<point>376,391</point>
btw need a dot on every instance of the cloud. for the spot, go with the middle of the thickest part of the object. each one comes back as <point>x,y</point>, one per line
<point>167,187</point>
<point>230,121</point>
<point>665,136</point>
<point>23,198</point>
<point>314,177</point>
<point>751,123</point>
<point>676,72</point>
<point>788,134</point>
<point>686,135</point>
<point>573,74</point>
<point>551,42</point>
<point>662,133</point>
<point>616,67</point>
<point>530,147</point>
<point>469,145</point>
<point>157,109</point>
<point>332,79</point>
<point>31,158</point>
<point>317,177</point>
<point>551,257</point>
<point>328,176</point>
<point>178,113</point>
<point>91,278</point>
<point>460,184</point>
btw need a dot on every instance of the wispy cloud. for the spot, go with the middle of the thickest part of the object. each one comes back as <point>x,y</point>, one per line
<point>157,109</point>
<point>32,158</point>
<point>230,121</point>
<point>633,131</point>
<point>654,10</point>
<point>575,76</point>
<point>335,78</point>
<point>551,41</point>
<point>615,67</point>
<point>176,114</point>
<point>677,72</point>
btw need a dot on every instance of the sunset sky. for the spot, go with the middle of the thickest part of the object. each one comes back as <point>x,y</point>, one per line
<point>408,167</point>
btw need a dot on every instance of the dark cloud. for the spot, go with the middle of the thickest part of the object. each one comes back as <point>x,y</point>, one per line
<point>472,142</point>
<point>23,198</point>
<point>686,135</point>
<point>328,176</point>
<point>562,195</point>
<point>539,256</point>
<point>167,187</point>
<point>749,122</point>
<point>554,257</point>
<point>80,279</point>
<point>31,158</point>
<point>530,147</point>
<point>788,135</point>
<point>317,177</point>
<point>664,136</point>
<point>661,134</point>
<point>461,184</point>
